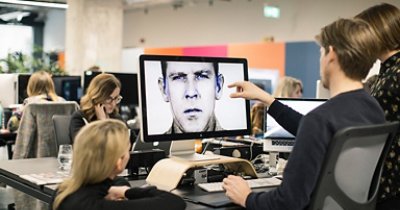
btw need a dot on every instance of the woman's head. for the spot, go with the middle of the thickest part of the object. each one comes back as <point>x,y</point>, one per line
<point>97,149</point>
<point>41,83</point>
<point>103,89</point>
<point>385,21</point>
<point>101,151</point>
<point>289,87</point>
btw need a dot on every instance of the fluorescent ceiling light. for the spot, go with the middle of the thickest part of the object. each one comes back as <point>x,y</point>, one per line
<point>36,3</point>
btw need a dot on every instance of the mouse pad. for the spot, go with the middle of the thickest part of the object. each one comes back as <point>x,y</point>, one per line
<point>213,199</point>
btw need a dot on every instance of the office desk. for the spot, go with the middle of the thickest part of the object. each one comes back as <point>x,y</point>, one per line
<point>10,171</point>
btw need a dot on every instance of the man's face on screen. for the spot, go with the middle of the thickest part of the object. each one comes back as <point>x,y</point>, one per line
<point>191,89</point>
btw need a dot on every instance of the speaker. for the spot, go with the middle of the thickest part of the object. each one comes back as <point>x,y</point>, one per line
<point>240,151</point>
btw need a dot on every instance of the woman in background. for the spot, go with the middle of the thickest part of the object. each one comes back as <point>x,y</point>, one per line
<point>101,152</point>
<point>99,103</point>
<point>289,87</point>
<point>385,21</point>
<point>41,88</point>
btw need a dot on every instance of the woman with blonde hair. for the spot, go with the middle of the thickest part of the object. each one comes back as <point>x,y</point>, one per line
<point>99,103</point>
<point>101,152</point>
<point>289,87</point>
<point>41,88</point>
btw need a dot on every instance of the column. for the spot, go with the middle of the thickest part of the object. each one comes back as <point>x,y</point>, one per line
<point>93,35</point>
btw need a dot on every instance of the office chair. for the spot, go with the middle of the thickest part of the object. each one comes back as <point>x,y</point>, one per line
<point>349,177</point>
<point>36,138</point>
<point>61,130</point>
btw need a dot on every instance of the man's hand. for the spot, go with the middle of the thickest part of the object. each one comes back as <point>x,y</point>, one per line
<point>237,189</point>
<point>250,91</point>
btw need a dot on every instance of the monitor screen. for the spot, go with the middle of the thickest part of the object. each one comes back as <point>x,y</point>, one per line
<point>68,87</point>
<point>129,86</point>
<point>274,130</point>
<point>22,87</point>
<point>186,97</point>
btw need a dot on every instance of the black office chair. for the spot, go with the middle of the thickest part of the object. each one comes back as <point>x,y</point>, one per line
<point>349,178</point>
<point>61,129</point>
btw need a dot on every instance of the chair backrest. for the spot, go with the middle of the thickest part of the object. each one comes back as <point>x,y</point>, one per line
<point>35,137</point>
<point>61,129</point>
<point>349,177</point>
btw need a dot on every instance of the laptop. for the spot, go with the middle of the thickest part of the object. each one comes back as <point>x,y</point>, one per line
<point>277,139</point>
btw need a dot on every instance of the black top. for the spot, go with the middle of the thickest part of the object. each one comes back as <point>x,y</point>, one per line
<point>386,90</point>
<point>91,197</point>
<point>77,122</point>
<point>315,131</point>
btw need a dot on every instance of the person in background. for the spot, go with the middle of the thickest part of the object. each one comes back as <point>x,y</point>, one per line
<point>41,89</point>
<point>385,21</point>
<point>342,68</point>
<point>101,152</point>
<point>99,103</point>
<point>289,87</point>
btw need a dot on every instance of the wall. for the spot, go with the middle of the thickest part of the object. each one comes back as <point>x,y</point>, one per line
<point>235,21</point>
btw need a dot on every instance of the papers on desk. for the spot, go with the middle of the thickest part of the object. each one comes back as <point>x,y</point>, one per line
<point>46,178</point>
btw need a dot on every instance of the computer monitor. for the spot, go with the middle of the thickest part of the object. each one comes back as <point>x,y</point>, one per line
<point>22,85</point>
<point>182,98</point>
<point>68,87</point>
<point>8,88</point>
<point>129,89</point>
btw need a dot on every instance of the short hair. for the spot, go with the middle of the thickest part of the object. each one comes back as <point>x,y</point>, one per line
<point>40,83</point>
<point>99,90</point>
<point>164,65</point>
<point>97,148</point>
<point>286,86</point>
<point>355,44</point>
<point>385,21</point>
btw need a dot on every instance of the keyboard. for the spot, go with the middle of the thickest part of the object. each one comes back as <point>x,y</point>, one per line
<point>278,145</point>
<point>253,183</point>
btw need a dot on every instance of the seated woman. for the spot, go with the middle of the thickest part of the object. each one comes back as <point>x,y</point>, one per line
<point>101,152</point>
<point>40,89</point>
<point>99,103</point>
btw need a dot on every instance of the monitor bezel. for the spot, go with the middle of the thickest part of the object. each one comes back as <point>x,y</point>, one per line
<point>193,135</point>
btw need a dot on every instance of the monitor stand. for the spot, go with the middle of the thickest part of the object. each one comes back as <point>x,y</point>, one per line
<point>185,149</point>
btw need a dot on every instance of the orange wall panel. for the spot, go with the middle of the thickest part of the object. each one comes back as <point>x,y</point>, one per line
<point>164,51</point>
<point>261,55</point>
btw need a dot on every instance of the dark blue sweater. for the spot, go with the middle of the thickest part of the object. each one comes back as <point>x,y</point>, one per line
<point>313,132</point>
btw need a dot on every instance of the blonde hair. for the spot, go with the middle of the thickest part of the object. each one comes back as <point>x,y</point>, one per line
<point>99,90</point>
<point>287,86</point>
<point>97,148</point>
<point>41,83</point>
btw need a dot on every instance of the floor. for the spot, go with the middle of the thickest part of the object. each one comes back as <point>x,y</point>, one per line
<point>6,194</point>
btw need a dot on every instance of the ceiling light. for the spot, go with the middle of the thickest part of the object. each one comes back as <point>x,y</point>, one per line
<point>35,3</point>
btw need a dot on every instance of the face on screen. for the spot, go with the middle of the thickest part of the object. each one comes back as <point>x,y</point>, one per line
<point>191,88</point>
